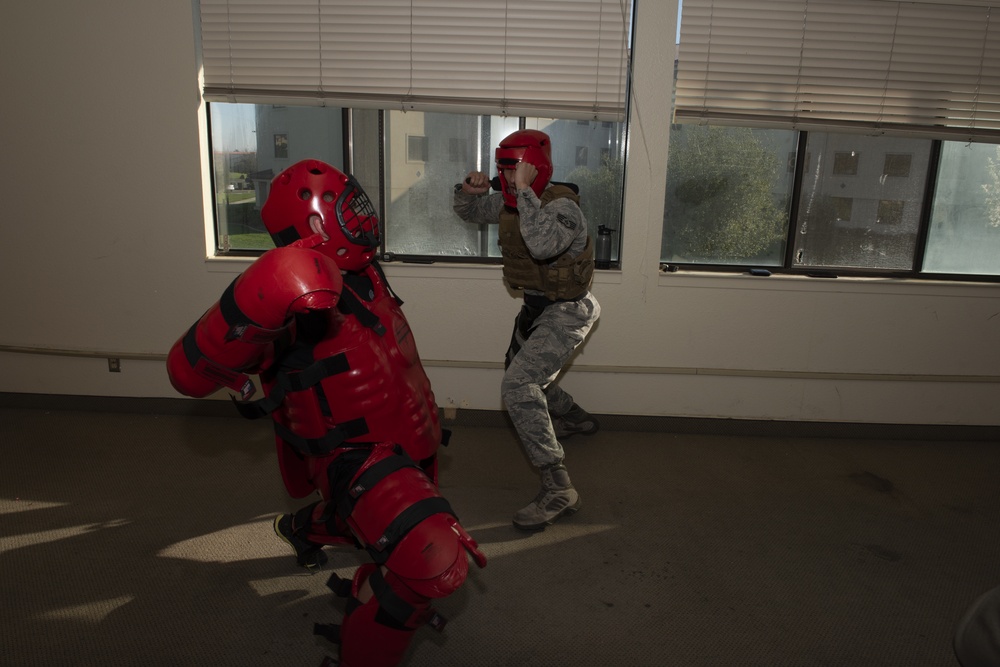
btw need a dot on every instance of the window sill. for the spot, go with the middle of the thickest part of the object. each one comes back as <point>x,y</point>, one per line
<point>841,284</point>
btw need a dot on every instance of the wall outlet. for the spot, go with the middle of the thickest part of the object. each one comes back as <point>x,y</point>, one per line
<point>114,365</point>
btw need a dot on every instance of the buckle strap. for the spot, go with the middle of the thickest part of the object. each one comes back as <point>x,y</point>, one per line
<point>316,372</point>
<point>380,470</point>
<point>400,609</point>
<point>326,443</point>
<point>207,368</point>
<point>242,327</point>
<point>329,632</point>
<point>382,548</point>
<point>372,476</point>
<point>340,586</point>
<point>350,303</point>
<point>294,381</point>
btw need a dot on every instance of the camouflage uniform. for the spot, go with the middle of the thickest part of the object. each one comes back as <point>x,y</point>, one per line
<point>545,333</point>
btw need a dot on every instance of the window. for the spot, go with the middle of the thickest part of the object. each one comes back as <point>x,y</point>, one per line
<point>890,212</point>
<point>964,232</point>
<point>301,74</point>
<point>897,164</point>
<point>846,164</point>
<point>726,204</point>
<point>281,146</point>
<point>247,153</point>
<point>728,195</point>
<point>423,157</point>
<point>416,149</point>
<point>419,221</point>
<point>880,177</point>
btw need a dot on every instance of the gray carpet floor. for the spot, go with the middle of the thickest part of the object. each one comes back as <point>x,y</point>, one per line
<point>145,539</point>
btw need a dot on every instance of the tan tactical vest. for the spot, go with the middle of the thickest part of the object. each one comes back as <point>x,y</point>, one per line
<point>566,277</point>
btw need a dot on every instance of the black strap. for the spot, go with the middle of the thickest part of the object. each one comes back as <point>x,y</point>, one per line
<point>231,312</point>
<point>294,381</point>
<point>400,610</point>
<point>382,548</point>
<point>261,407</point>
<point>329,631</point>
<point>353,305</point>
<point>207,368</point>
<point>191,350</point>
<point>385,281</point>
<point>286,236</point>
<point>327,443</point>
<point>242,327</point>
<point>340,586</point>
<point>380,471</point>
<point>370,477</point>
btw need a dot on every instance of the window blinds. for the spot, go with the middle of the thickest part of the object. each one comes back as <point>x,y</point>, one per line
<point>923,69</point>
<point>549,58</point>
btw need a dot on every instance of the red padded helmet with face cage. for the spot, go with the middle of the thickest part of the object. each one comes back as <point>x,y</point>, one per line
<point>531,146</point>
<point>313,197</point>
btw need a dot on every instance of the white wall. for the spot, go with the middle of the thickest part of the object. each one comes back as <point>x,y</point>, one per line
<point>104,254</point>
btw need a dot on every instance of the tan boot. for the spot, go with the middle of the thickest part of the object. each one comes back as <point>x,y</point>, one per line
<point>557,499</point>
<point>576,421</point>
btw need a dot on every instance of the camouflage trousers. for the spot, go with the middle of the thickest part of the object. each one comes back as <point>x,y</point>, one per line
<point>542,342</point>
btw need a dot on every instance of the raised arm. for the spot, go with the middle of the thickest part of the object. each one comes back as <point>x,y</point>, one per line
<point>229,341</point>
<point>472,201</point>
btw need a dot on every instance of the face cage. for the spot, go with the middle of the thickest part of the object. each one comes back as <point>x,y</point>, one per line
<point>356,216</point>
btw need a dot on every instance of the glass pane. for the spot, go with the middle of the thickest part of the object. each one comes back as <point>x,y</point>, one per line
<point>426,154</point>
<point>591,155</point>
<point>251,143</point>
<point>964,233</point>
<point>861,201</point>
<point>728,195</point>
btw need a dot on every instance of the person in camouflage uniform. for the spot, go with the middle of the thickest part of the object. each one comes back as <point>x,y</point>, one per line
<point>548,253</point>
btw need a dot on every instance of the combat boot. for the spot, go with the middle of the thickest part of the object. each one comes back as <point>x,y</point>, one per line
<point>307,554</point>
<point>577,420</point>
<point>557,498</point>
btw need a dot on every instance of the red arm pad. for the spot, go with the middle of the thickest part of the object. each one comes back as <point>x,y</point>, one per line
<point>285,281</point>
<point>232,337</point>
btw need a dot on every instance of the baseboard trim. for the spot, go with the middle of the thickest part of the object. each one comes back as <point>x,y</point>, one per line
<point>500,419</point>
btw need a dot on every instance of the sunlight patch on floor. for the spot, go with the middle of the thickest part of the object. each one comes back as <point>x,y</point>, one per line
<point>562,532</point>
<point>10,543</point>
<point>248,541</point>
<point>92,612</point>
<point>307,585</point>
<point>12,506</point>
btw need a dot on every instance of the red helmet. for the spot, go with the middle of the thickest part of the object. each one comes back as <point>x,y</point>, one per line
<point>312,197</point>
<point>531,146</point>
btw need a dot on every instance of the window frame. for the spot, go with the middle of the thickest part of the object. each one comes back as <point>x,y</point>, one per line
<point>788,267</point>
<point>376,186</point>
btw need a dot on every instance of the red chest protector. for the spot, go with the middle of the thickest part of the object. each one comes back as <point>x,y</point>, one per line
<point>352,375</point>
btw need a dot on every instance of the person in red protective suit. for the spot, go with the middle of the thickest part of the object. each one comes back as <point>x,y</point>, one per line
<point>354,416</point>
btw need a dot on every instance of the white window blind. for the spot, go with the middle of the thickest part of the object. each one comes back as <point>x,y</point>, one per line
<point>551,58</point>
<point>912,68</point>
